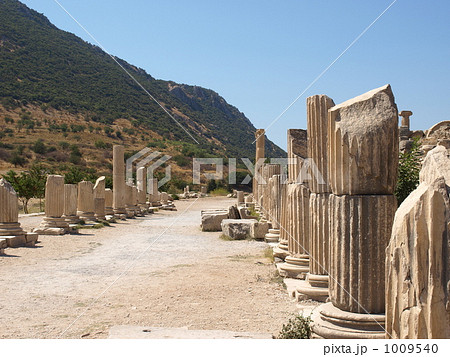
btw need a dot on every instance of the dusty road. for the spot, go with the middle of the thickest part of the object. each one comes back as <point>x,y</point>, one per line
<point>159,270</point>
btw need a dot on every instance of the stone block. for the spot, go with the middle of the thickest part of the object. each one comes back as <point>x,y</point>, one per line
<point>212,220</point>
<point>237,229</point>
<point>258,230</point>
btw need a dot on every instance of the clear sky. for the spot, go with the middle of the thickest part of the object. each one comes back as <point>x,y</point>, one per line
<point>260,54</point>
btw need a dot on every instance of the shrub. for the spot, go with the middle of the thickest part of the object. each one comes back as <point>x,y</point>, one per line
<point>408,172</point>
<point>219,192</point>
<point>298,327</point>
<point>39,147</point>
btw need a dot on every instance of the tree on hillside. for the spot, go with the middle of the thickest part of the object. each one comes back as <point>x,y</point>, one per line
<point>28,184</point>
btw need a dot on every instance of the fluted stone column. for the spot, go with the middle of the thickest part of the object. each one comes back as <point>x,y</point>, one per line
<point>53,223</point>
<point>268,170</point>
<point>119,182</point>
<point>316,283</point>
<point>99,198</point>
<point>274,209</point>
<point>260,152</point>
<point>153,194</point>
<point>141,182</point>
<point>70,204</point>
<point>86,203</point>
<point>281,251</point>
<point>418,260</point>
<point>129,201</point>
<point>109,211</point>
<point>10,229</point>
<point>362,168</point>
<point>296,264</point>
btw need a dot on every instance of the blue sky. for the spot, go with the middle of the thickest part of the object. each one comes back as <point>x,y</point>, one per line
<point>260,55</point>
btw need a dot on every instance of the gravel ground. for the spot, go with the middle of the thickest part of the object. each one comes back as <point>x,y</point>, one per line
<point>159,270</point>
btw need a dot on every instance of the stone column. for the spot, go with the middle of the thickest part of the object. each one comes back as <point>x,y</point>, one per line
<point>99,198</point>
<point>274,194</point>
<point>417,261</point>
<point>240,198</point>
<point>129,201</point>
<point>203,190</point>
<point>153,192</point>
<point>297,262</point>
<point>260,152</point>
<point>362,170</point>
<point>281,251</point>
<point>70,204</point>
<point>86,205</point>
<point>10,229</point>
<point>141,182</point>
<point>316,283</point>
<point>109,202</point>
<point>53,223</point>
<point>119,182</point>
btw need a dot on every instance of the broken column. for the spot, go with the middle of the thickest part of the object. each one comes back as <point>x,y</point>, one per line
<point>109,211</point>
<point>141,182</point>
<point>153,194</point>
<point>417,260</point>
<point>99,198</point>
<point>362,171</point>
<point>119,182</point>
<point>316,283</point>
<point>129,201</point>
<point>260,152</point>
<point>11,234</point>
<point>86,203</point>
<point>240,198</point>
<point>53,223</point>
<point>70,204</point>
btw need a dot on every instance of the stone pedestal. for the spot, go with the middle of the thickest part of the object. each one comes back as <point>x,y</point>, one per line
<point>70,204</point>
<point>53,223</point>
<point>296,265</point>
<point>86,205</point>
<point>240,197</point>
<point>99,199</point>
<point>10,231</point>
<point>119,182</point>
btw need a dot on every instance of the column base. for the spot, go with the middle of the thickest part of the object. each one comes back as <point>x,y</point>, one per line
<point>294,267</point>
<point>52,226</point>
<point>130,212</point>
<point>281,251</point>
<point>331,322</point>
<point>315,287</point>
<point>109,211</point>
<point>11,229</point>
<point>272,236</point>
<point>72,219</point>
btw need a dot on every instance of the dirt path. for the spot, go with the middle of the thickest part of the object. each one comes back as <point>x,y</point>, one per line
<point>183,277</point>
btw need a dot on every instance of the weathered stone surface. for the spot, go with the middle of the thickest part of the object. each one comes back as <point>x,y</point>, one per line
<point>258,230</point>
<point>118,181</point>
<point>233,213</point>
<point>417,266</point>
<point>281,251</point>
<point>268,170</point>
<point>363,144</point>
<point>212,220</point>
<point>10,229</point>
<point>237,228</point>
<point>109,202</point>
<point>70,203</point>
<point>240,197</point>
<point>85,206</point>
<point>153,194</point>
<point>297,262</point>
<point>141,183</point>
<point>297,150</point>
<point>54,196</point>
<point>99,198</point>
<point>317,117</point>
<point>436,164</point>
<point>360,227</point>
<point>3,246</point>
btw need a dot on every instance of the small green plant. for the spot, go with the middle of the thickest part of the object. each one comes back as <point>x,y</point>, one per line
<point>298,327</point>
<point>175,197</point>
<point>268,253</point>
<point>225,237</point>
<point>408,172</point>
<point>219,192</point>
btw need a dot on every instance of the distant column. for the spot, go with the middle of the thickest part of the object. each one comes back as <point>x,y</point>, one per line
<point>54,223</point>
<point>109,202</point>
<point>119,182</point>
<point>99,198</point>
<point>141,182</point>
<point>260,143</point>
<point>86,204</point>
<point>70,204</point>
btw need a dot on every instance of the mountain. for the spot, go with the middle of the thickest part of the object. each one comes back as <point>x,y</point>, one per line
<point>49,73</point>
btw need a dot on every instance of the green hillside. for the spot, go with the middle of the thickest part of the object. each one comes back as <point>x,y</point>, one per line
<point>45,67</point>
